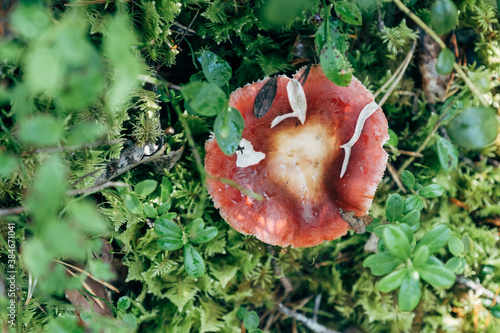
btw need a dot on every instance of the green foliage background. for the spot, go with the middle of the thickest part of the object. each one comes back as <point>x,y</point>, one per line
<point>78,79</point>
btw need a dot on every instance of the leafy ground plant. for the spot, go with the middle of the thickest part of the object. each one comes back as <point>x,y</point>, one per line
<point>105,221</point>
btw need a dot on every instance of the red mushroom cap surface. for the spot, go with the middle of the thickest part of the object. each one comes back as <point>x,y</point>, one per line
<point>299,178</point>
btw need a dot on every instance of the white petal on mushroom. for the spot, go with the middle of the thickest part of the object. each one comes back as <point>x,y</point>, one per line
<point>297,99</point>
<point>367,111</point>
<point>246,155</point>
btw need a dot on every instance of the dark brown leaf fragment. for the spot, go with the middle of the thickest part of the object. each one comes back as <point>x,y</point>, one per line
<point>265,98</point>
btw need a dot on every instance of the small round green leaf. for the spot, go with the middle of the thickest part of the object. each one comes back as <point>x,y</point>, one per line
<point>410,292</point>
<point>421,256</point>
<point>194,227</point>
<point>8,163</point>
<point>193,262</point>
<point>251,320</point>
<point>204,99</point>
<point>164,208</point>
<point>133,204</point>
<point>241,313</point>
<point>495,311</point>
<point>382,263</point>
<point>167,228</point>
<point>394,207</point>
<point>42,130</point>
<point>408,232</point>
<point>474,128</point>
<point>228,128</point>
<point>456,246</point>
<point>204,235</point>
<point>445,62</point>
<point>408,179</point>
<point>436,275</point>
<point>170,243</point>
<point>412,219</point>
<point>436,238</point>
<point>456,265</point>
<point>393,138</point>
<point>150,212</point>
<point>431,191</point>
<point>348,12</point>
<point>392,281</point>
<point>447,154</point>
<point>216,70</point>
<point>444,15</point>
<point>146,187</point>
<point>397,242</point>
<point>123,303</point>
<point>413,202</point>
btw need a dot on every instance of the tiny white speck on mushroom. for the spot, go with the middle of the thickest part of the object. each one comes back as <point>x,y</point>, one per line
<point>297,99</point>
<point>367,111</point>
<point>246,155</point>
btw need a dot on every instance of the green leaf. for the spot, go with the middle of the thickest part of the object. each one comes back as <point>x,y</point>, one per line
<point>434,261</point>
<point>167,228</point>
<point>101,270</point>
<point>421,256</point>
<point>123,303</point>
<point>348,12</point>
<point>371,227</point>
<point>495,311</point>
<point>228,128</point>
<point>444,15</point>
<point>30,20</point>
<point>193,262</point>
<point>251,320</point>
<point>335,66</point>
<point>150,212</point>
<point>408,179</point>
<point>447,154</point>
<point>133,204</point>
<point>88,218</point>
<point>456,246</point>
<point>394,207</point>
<point>164,208</point>
<point>166,190</point>
<point>379,230</point>
<point>436,275</point>
<point>194,227</point>
<point>170,243</point>
<point>408,232</point>
<point>204,99</point>
<point>474,128</point>
<point>8,163</point>
<point>392,281</point>
<point>445,62</point>
<point>36,257</point>
<point>397,242</point>
<point>42,130</point>
<point>412,219</point>
<point>410,292</point>
<point>216,70</point>
<point>456,265</point>
<point>413,202</point>
<point>241,313</point>
<point>436,238</point>
<point>431,191</point>
<point>146,187</point>
<point>86,132</point>
<point>204,236</point>
<point>382,263</point>
<point>334,38</point>
<point>130,320</point>
<point>393,138</point>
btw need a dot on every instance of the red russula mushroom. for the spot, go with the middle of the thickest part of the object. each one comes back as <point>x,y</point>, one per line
<point>297,166</point>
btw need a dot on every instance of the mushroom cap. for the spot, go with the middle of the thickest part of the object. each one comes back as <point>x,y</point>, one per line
<point>299,178</point>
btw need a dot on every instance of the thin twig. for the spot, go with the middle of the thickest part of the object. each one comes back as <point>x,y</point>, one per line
<point>309,323</point>
<point>87,287</point>
<point>104,283</point>
<point>398,78</point>
<point>395,176</point>
<point>237,186</point>
<point>478,288</point>
<point>317,303</point>
<point>12,211</point>
<point>189,26</point>
<point>388,82</point>
<point>438,40</point>
<point>31,287</point>
<point>76,147</point>
<point>96,188</point>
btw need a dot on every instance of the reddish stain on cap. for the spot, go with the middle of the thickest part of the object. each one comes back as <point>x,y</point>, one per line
<point>299,178</point>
